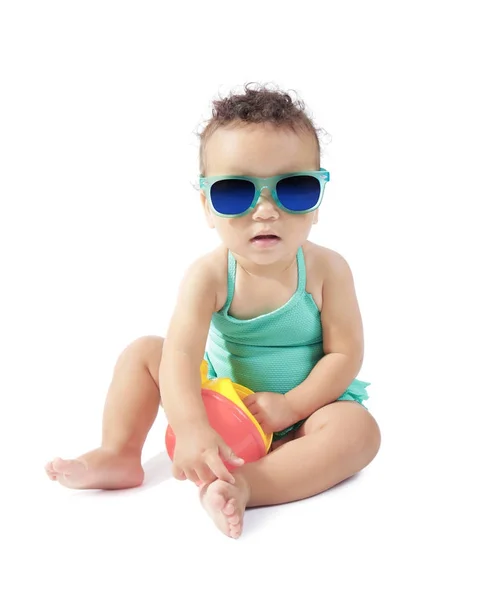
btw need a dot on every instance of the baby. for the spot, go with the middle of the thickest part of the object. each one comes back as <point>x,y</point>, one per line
<point>268,309</point>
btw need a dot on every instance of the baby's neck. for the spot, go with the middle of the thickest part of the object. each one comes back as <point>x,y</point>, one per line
<point>273,271</point>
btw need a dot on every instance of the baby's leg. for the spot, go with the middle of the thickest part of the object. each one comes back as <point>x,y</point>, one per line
<point>336,442</point>
<point>131,407</point>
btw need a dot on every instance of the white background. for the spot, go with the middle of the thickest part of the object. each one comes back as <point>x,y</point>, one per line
<point>100,102</point>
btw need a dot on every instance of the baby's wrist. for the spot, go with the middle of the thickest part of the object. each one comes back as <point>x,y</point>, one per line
<point>292,402</point>
<point>190,424</point>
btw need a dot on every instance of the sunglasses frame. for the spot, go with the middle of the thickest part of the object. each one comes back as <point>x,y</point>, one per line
<point>260,183</point>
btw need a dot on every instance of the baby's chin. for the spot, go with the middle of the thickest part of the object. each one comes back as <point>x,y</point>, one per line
<point>267,254</point>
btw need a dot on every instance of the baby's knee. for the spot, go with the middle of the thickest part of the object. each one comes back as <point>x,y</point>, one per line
<point>146,350</point>
<point>371,435</point>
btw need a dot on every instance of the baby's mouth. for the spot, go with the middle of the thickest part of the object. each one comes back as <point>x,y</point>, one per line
<point>266,237</point>
<point>265,240</point>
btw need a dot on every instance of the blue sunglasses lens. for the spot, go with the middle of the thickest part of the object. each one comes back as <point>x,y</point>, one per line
<point>232,196</point>
<point>299,193</point>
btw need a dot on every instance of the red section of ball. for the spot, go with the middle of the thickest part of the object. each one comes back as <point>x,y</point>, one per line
<point>232,424</point>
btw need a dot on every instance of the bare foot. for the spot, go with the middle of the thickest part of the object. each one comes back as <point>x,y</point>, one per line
<point>99,469</point>
<point>226,503</point>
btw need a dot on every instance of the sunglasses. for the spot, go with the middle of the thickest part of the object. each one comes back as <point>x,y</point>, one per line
<point>235,196</point>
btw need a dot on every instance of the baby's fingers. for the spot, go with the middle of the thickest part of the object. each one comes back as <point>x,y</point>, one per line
<point>253,408</point>
<point>218,468</point>
<point>250,401</point>
<point>178,473</point>
<point>205,475</point>
<point>193,476</point>
<point>263,423</point>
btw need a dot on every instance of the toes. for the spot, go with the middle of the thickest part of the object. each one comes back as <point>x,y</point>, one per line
<point>66,467</point>
<point>235,531</point>
<point>218,502</point>
<point>234,519</point>
<point>48,467</point>
<point>229,508</point>
<point>58,465</point>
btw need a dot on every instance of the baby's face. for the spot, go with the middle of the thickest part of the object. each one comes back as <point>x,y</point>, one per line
<point>261,151</point>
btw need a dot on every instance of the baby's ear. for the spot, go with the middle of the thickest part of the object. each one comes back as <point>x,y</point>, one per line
<point>207,211</point>
<point>315,216</point>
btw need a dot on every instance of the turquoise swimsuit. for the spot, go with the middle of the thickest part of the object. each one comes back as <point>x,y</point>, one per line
<point>274,352</point>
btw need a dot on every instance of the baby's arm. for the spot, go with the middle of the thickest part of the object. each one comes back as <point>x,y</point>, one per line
<point>184,345</point>
<point>343,341</point>
<point>200,452</point>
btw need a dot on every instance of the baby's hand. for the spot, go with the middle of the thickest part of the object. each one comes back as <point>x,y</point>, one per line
<point>199,456</point>
<point>272,411</point>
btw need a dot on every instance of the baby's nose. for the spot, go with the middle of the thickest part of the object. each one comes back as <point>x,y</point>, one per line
<point>266,206</point>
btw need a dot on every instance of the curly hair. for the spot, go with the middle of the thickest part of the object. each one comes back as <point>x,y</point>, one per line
<point>260,105</point>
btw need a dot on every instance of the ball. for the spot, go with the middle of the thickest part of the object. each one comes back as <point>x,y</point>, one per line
<point>234,425</point>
